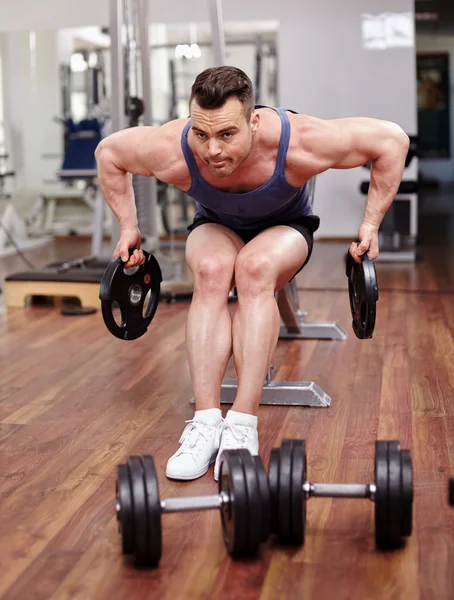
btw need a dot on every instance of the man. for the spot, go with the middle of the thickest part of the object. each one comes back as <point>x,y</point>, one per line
<point>247,169</point>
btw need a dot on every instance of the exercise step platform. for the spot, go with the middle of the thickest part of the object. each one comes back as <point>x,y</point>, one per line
<point>78,278</point>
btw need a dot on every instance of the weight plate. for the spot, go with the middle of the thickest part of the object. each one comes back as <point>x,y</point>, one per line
<point>381,493</point>
<point>451,492</point>
<point>153,504</point>
<point>298,499</point>
<point>273,480</point>
<point>129,291</point>
<point>254,502</point>
<point>77,311</point>
<point>264,497</point>
<point>407,493</point>
<point>285,492</point>
<point>234,514</point>
<point>394,495</point>
<point>139,510</point>
<point>124,509</point>
<point>363,295</point>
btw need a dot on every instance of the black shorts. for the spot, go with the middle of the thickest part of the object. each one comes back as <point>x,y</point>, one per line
<point>305,225</point>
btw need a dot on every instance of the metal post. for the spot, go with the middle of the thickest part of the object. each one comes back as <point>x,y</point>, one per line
<point>151,189</point>
<point>217,32</point>
<point>116,22</point>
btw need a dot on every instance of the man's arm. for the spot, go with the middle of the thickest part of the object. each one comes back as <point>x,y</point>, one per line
<point>137,151</point>
<point>134,151</point>
<point>352,142</point>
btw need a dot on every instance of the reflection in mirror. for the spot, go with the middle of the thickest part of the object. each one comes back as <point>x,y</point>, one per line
<point>180,52</point>
<point>62,99</point>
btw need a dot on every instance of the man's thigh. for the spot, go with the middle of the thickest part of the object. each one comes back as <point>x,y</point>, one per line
<point>286,248</point>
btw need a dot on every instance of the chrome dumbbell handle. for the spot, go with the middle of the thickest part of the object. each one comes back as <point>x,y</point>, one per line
<point>339,490</point>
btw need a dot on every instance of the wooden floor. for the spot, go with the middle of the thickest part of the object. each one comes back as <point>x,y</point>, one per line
<point>75,401</point>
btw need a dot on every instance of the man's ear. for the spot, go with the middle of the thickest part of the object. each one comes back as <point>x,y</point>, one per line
<point>255,120</point>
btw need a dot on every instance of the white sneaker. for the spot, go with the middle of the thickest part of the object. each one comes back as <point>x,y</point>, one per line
<point>199,446</point>
<point>238,430</point>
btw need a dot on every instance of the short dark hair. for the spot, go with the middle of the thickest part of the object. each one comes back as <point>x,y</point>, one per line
<point>215,85</point>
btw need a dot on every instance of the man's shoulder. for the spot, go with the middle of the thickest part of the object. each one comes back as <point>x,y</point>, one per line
<point>173,168</point>
<point>172,130</point>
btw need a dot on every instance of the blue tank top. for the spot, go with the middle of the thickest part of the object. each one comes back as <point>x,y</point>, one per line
<point>273,203</point>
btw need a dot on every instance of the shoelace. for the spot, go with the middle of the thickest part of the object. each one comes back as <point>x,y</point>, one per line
<point>194,434</point>
<point>231,434</point>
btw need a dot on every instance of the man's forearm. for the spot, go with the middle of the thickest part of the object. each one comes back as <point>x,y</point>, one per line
<point>116,186</point>
<point>386,176</point>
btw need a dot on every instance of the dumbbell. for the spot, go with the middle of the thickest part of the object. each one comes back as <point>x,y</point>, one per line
<point>243,500</point>
<point>392,492</point>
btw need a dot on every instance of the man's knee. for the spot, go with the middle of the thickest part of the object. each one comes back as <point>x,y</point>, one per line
<point>213,273</point>
<point>254,273</point>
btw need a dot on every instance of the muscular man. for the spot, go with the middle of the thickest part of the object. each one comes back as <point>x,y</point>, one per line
<point>247,169</point>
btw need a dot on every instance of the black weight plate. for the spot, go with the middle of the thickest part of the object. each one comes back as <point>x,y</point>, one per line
<point>394,495</point>
<point>407,493</point>
<point>298,499</point>
<point>124,509</point>
<point>363,295</point>
<point>77,311</point>
<point>254,502</point>
<point>153,504</point>
<point>381,493</point>
<point>234,514</point>
<point>264,497</point>
<point>139,511</point>
<point>273,480</point>
<point>285,492</point>
<point>129,291</point>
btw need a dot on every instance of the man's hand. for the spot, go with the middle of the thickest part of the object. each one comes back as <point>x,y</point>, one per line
<point>130,238</point>
<point>368,238</point>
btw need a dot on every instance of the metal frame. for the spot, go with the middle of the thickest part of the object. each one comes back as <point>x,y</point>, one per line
<point>295,327</point>
<point>407,254</point>
<point>150,182</point>
<point>217,32</point>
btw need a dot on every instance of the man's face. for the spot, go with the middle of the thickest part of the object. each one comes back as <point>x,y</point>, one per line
<point>223,136</point>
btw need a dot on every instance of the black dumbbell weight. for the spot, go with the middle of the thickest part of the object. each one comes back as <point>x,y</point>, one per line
<point>392,492</point>
<point>243,501</point>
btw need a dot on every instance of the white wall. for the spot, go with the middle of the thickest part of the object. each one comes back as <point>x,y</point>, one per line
<point>323,68</point>
<point>31,100</point>
<point>440,169</point>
